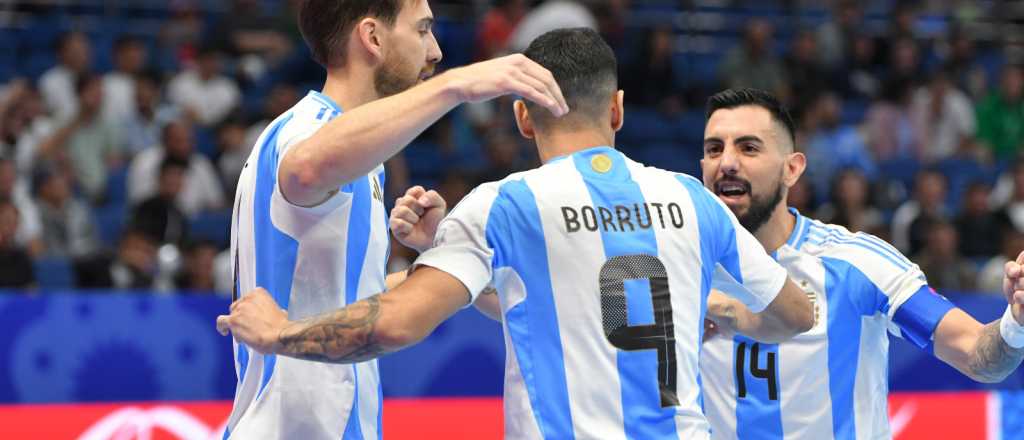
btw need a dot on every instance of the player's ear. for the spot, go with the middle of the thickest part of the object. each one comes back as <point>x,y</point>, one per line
<point>796,163</point>
<point>368,35</point>
<point>523,119</point>
<point>618,111</point>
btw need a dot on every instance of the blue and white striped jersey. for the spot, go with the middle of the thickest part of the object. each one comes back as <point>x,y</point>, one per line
<point>312,260</point>
<point>830,382</point>
<point>603,268</point>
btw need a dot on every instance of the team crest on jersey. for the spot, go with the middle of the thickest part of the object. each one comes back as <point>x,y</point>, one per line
<point>601,163</point>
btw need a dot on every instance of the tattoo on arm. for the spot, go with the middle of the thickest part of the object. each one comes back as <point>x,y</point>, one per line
<point>341,336</point>
<point>993,359</point>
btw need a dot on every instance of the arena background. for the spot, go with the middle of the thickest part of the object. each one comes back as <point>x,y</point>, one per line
<point>911,113</point>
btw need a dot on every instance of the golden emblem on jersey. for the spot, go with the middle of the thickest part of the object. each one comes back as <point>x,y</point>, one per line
<point>601,163</point>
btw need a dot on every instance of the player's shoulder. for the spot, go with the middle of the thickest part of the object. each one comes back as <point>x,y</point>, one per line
<point>862,250</point>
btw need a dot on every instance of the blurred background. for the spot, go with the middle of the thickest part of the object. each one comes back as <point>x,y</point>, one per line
<point>124,125</point>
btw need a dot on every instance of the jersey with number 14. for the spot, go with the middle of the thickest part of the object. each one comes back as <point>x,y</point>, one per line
<point>830,382</point>
<point>602,268</point>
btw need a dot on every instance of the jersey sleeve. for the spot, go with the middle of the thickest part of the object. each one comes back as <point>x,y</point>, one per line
<point>743,269</point>
<point>287,136</point>
<point>895,287</point>
<point>461,248</point>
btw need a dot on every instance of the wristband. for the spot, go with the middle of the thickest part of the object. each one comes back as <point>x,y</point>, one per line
<point>1011,331</point>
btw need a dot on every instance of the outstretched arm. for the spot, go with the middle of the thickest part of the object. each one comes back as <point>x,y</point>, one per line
<point>788,315</point>
<point>352,145</point>
<point>981,351</point>
<point>361,331</point>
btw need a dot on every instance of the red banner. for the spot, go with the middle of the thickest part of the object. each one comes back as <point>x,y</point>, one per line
<point>912,416</point>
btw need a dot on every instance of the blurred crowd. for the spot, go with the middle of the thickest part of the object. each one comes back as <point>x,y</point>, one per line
<point>122,138</point>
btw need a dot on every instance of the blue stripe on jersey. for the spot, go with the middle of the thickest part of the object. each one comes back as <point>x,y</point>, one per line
<point>514,232</point>
<point>710,217</point>
<point>320,114</point>
<point>325,100</point>
<point>843,283</point>
<point>799,235</point>
<point>275,251</point>
<point>818,236</point>
<point>380,411</point>
<point>358,240</point>
<point>758,416</point>
<point>642,414</point>
<point>920,315</point>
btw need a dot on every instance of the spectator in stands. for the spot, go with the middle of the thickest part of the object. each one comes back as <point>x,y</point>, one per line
<point>496,27</point>
<point>990,278</point>
<point>1012,212</point>
<point>30,228</point>
<point>130,58</point>
<point>256,37</point>
<point>801,197</point>
<point>57,85</point>
<point>904,62</point>
<point>849,205</point>
<point>16,268</point>
<point>943,117</point>
<point>650,80</point>
<point>197,272</point>
<point>281,98</point>
<point>142,129</point>
<point>134,266</point>
<point>68,227</point>
<point>753,64</point>
<point>980,230</point>
<point>832,145</point>
<point>204,92</point>
<point>902,29</point>
<point>835,37</point>
<point>912,218</point>
<point>962,62</point>
<point>942,264</point>
<point>202,190</point>
<point>159,215</point>
<point>454,185</point>
<point>504,156</point>
<point>804,71</point>
<point>859,77</point>
<point>181,34</point>
<point>1001,115</point>
<point>890,131</point>
<point>233,150</point>
<point>88,144</point>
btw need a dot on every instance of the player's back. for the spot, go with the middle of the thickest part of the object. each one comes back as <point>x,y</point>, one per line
<point>312,260</point>
<point>603,267</point>
<point>831,381</point>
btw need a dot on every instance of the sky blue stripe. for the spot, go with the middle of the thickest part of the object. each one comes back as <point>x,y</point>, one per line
<point>865,240</point>
<point>321,113</point>
<point>710,219</point>
<point>275,251</point>
<point>642,414</point>
<point>757,415</point>
<point>801,230</point>
<point>325,100</point>
<point>842,283</point>
<point>514,232</point>
<point>357,242</point>
<point>380,411</point>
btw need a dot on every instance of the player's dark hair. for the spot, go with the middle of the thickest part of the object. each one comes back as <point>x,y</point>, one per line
<point>326,24</point>
<point>732,98</point>
<point>584,67</point>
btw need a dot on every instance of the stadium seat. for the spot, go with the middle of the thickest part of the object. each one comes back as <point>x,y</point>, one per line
<point>645,126</point>
<point>211,226</point>
<point>110,221</point>
<point>54,273</point>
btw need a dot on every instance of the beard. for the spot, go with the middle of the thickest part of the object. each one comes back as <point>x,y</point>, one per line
<point>761,206</point>
<point>392,78</point>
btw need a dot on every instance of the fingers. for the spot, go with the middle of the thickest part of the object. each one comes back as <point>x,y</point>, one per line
<point>415,192</point>
<point>409,202</point>
<point>223,324</point>
<point>431,199</point>
<point>401,228</point>
<point>1012,270</point>
<point>406,214</point>
<point>1018,297</point>
<point>550,86</point>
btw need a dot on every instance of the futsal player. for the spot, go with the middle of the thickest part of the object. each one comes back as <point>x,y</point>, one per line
<point>830,382</point>
<point>309,221</point>
<point>602,265</point>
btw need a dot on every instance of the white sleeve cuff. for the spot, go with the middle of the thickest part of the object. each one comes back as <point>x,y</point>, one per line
<point>467,264</point>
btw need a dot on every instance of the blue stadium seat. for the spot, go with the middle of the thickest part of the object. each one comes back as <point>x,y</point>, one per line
<point>645,125</point>
<point>959,174</point>
<point>901,170</point>
<point>54,273</point>
<point>117,186</point>
<point>212,226</point>
<point>110,221</point>
<point>670,156</point>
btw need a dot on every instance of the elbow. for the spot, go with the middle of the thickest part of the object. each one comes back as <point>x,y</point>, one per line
<point>300,172</point>
<point>805,322</point>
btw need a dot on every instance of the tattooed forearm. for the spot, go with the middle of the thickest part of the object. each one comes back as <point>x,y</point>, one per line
<point>993,359</point>
<point>342,336</point>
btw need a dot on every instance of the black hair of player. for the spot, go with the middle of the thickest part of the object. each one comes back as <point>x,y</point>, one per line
<point>585,68</point>
<point>326,24</point>
<point>733,98</point>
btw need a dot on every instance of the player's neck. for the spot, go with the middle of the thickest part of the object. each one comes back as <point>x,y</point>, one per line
<point>564,143</point>
<point>349,89</point>
<point>777,230</point>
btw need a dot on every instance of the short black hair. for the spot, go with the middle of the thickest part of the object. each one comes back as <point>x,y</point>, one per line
<point>326,24</point>
<point>85,80</point>
<point>170,163</point>
<point>732,98</point>
<point>125,41</point>
<point>583,65</point>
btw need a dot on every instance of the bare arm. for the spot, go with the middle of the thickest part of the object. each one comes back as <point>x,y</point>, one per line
<point>352,145</point>
<point>976,349</point>
<point>487,303</point>
<point>360,331</point>
<point>788,315</point>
